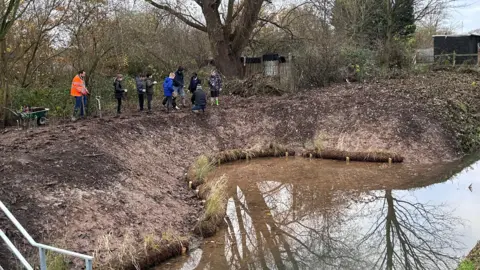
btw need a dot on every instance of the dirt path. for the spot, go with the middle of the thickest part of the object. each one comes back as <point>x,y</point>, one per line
<point>94,185</point>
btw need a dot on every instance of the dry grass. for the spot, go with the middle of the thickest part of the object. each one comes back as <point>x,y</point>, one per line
<point>319,142</point>
<point>215,193</point>
<point>354,156</point>
<point>133,254</point>
<point>56,261</point>
<point>202,166</point>
<point>215,204</point>
<point>273,150</point>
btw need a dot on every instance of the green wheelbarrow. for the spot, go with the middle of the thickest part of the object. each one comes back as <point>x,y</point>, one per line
<point>37,115</point>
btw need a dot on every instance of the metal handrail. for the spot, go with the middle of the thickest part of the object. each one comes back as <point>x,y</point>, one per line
<point>15,251</point>
<point>41,247</point>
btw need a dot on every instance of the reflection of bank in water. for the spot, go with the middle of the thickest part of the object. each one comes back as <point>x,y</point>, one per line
<point>301,214</point>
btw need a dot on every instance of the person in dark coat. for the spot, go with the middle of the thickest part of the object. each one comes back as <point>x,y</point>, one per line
<point>178,84</point>
<point>194,81</point>
<point>149,84</point>
<point>119,92</point>
<point>200,98</point>
<point>141,89</point>
<point>168,90</point>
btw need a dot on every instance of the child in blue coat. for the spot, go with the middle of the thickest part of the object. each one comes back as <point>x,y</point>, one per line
<point>168,90</point>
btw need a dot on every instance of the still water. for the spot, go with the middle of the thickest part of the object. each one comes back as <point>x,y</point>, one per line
<point>316,214</point>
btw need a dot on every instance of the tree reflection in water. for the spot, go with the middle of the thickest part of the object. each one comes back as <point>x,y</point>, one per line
<point>274,225</point>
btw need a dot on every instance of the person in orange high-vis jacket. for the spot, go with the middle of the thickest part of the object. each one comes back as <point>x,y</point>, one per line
<point>79,92</point>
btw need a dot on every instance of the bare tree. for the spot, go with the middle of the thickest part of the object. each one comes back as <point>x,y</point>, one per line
<point>229,28</point>
<point>10,11</point>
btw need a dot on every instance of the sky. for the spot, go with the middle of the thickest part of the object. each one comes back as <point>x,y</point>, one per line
<point>466,16</point>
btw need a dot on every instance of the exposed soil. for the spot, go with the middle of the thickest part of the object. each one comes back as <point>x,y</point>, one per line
<point>76,185</point>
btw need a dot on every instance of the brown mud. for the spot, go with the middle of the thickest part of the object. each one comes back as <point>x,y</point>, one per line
<point>88,185</point>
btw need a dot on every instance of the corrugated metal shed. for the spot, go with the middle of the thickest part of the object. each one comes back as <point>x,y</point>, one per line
<point>460,44</point>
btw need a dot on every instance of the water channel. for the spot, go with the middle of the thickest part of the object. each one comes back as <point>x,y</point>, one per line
<point>315,214</point>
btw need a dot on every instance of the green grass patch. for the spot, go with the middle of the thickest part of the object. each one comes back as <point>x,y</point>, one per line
<point>466,265</point>
<point>56,261</point>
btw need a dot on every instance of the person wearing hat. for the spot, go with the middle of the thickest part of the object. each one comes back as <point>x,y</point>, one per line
<point>119,92</point>
<point>178,84</point>
<point>200,99</point>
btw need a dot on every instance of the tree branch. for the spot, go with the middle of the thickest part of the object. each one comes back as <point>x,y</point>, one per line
<point>285,29</point>
<point>247,23</point>
<point>179,15</point>
<point>229,19</point>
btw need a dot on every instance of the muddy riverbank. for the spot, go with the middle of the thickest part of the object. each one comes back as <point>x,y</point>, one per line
<point>98,185</point>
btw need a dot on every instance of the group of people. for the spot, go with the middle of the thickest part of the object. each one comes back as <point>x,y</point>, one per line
<point>173,87</point>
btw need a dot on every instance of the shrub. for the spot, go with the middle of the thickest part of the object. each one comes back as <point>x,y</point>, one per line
<point>318,65</point>
<point>361,60</point>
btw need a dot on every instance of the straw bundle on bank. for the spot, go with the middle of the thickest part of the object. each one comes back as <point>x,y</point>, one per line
<point>354,156</point>
<point>238,154</point>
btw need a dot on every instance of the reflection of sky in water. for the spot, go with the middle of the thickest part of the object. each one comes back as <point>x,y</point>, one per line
<point>330,234</point>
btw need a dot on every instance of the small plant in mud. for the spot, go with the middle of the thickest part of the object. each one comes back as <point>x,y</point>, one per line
<point>203,165</point>
<point>117,255</point>
<point>172,236</point>
<point>149,243</point>
<point>56,261</point>
<point>319,142</point>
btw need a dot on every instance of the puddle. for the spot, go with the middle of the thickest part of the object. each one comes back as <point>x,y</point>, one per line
<point>316,214</point>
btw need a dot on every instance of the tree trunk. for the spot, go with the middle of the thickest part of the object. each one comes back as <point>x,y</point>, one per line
<point>228,63</point>
<point>4,81</point>
<point>226,60</point>
<point>389,230</point>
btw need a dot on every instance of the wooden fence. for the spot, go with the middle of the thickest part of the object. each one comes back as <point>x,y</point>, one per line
<point>448,59</point>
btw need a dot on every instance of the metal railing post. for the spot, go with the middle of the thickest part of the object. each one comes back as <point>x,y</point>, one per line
<point>43,259</point>
<point>15,251</point>
<point>41,247</point>
<point>88,264</point>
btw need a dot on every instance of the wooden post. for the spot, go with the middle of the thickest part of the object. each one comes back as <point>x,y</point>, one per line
<point>262,66</point>
<point>454,58</point>
<point>478,52</point>
<point>244,67</point>
<point>291,79</point>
